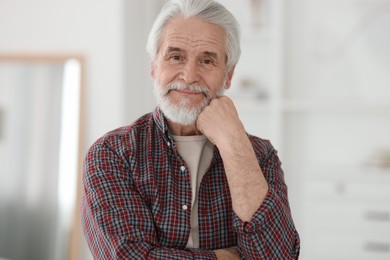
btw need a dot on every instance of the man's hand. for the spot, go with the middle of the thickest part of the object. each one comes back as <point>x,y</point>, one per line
<point>219,121</point>
<point>227,253</point>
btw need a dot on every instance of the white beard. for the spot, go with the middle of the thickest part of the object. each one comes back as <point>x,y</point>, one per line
<point>182,113</point>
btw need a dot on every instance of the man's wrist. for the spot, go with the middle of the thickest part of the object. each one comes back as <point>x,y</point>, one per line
<point>227,253</point>
<point>235,146</point>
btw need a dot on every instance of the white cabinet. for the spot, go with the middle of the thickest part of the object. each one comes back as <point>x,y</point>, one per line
<point>346,216</point>
<point>336,125</point>
<point>319,89</point>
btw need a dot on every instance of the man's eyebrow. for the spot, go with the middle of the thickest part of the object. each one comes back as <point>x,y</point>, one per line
<point>174,49</point>
<point>211,54</point>
<point>206,53</point>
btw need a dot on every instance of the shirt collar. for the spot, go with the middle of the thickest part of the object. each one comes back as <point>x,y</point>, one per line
<point>161,124</point>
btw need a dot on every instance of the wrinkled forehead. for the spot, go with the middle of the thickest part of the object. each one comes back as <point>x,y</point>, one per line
<point>190,34</point>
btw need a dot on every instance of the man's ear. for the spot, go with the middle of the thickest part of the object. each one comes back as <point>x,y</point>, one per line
<point>152,69</point>
<point>229,77</point>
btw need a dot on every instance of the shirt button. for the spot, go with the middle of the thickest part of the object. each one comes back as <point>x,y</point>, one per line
<point>182,168</point>
<point>184,207</point>
<point>168,143</point>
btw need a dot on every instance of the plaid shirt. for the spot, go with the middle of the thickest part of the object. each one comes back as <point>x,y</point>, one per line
<point>137,197</point>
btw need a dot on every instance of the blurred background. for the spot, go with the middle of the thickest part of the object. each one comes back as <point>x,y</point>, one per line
<point>314,78</point>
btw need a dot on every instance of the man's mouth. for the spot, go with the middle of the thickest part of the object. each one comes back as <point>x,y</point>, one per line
<point>188,92</point>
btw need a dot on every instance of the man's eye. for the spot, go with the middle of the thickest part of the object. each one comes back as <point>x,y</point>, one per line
<point>176,57</point>
<point>207,62</point>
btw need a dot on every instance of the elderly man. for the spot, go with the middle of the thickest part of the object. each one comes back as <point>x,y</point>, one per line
<point>187,181</point>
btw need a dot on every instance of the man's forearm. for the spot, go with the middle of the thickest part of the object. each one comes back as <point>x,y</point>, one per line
<point>271,231</point>
<point>247,184</point>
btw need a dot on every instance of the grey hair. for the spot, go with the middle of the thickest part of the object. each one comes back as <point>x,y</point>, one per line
<point>205,10</point>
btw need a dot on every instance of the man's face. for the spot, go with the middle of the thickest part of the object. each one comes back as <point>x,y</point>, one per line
<point>190,68</point>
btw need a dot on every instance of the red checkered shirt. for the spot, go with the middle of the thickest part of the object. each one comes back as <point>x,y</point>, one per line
<point>136,192</point>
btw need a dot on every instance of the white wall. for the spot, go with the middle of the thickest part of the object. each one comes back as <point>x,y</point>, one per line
<point>138,94</point>
<point>91,28</point>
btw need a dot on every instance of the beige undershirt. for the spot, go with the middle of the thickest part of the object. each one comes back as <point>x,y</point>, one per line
<point>197,152</point>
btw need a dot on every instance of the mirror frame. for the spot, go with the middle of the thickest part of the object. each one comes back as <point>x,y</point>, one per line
<point>75,232</point>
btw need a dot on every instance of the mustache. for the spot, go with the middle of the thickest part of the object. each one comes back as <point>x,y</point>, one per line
<point>194,88</point>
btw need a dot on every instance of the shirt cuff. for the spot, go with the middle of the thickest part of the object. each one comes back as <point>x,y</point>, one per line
<point>265,214</point>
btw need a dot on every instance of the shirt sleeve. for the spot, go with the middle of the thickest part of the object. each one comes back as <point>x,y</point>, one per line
<point>117,222</point>
<point>271,233</point>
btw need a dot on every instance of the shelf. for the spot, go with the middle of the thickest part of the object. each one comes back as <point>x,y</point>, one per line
<point>337,105</point>
<point>326,172</point>
<point>254,101</point>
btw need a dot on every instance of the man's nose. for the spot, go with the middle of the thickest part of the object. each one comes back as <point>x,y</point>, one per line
<point>190,73</point>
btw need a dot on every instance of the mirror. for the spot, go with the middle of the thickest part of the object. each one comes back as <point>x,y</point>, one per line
<point>40,155</point>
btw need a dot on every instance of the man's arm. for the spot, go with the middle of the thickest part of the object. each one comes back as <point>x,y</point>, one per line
<point>264,223</point>
<point>116,220</point>
<point>248,187</point>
